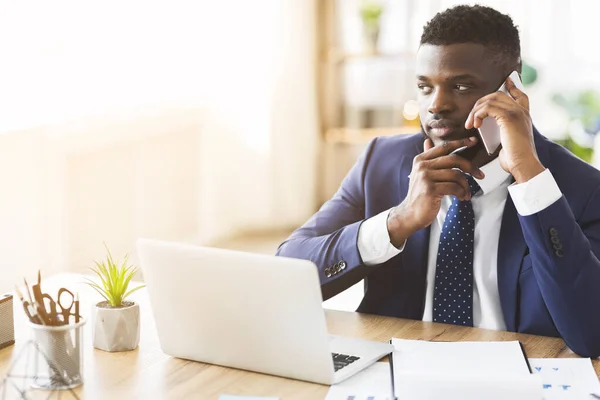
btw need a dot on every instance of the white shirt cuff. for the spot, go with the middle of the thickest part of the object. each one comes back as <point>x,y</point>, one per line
<point>374,243</point>
<point>536,194</point>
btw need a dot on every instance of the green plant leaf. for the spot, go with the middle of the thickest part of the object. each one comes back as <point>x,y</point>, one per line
<point>114,277</point>
<point>98,272</point>
<point>123,272</point>
<point>104,275</point>
<point>133,290</point>
<point>109,257</point>
<point>127,280</point>
<point>371,12</point>
<point>97,288</point>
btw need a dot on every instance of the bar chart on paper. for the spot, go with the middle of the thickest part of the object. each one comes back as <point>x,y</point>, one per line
<point>568,378</point>
<point>374,383</point>
<point>340,394</point>
<point>352,397</point>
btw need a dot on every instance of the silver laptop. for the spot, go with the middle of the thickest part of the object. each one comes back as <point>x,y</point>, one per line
<point>254,312</point>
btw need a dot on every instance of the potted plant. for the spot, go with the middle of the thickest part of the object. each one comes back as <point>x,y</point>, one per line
<point>370,13</point>
<point>116,320</point>
<point>584,129</point>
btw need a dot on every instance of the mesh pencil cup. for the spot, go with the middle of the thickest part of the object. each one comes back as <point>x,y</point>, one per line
<point>58,359</point>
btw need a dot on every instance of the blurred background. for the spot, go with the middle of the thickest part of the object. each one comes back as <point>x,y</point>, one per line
<point>228,122</point>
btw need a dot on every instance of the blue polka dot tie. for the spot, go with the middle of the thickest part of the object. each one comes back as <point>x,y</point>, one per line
<point>453,290</point>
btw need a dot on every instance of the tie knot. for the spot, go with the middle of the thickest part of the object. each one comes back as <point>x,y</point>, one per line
<point>473,185</point>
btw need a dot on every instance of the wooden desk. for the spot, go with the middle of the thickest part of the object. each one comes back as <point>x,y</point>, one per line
<point>147,373</point>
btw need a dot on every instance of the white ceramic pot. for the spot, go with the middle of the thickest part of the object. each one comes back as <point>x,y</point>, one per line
<point>371,38</point>
<point>117,329</point>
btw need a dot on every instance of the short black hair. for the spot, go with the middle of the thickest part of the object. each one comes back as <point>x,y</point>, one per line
<point>476,24</point>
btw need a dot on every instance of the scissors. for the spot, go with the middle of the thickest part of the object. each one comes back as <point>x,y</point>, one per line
<point>49,311</point>
<point>53,312</point>
<point>65,311</point>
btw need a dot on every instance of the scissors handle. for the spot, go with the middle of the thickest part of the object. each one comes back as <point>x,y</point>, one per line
<point>65,311</point>
<point>59,298</point>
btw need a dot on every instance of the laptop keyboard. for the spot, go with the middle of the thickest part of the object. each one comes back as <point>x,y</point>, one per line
<point>342,360</point>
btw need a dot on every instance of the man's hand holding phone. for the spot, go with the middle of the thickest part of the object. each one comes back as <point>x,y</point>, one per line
<point>435,173</point>
<point>518,155</point>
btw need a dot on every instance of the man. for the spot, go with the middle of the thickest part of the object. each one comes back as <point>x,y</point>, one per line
<point>509,241</point>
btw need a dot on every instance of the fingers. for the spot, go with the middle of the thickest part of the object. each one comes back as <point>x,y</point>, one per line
<point>439,157</point>
<point>445,176</point>
<point>520,97</point>
<point>428,145</point>
<point>489,108</point>
<point>500,100</point>
<point>445,148</point>
<point>501,111</point>
<point>451,189</point>
<point>453,162</point>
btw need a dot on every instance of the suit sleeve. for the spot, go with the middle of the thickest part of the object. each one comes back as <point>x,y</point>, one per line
<point>329,238</point>
<point>565,254</point>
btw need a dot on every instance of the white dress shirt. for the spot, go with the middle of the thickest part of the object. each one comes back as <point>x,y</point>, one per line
<point>488,206</point>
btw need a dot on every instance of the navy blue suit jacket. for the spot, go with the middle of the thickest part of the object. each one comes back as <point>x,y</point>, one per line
<point>543,291</point>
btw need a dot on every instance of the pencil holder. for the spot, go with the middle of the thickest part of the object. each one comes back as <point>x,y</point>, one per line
<point>58,359</point>
<point>7,330</point>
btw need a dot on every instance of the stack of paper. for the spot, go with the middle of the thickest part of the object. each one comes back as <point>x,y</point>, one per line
<point>470,370</point>
<point>463,370</point>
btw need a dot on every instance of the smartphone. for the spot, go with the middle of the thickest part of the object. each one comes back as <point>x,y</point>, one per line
<point>489,130</point>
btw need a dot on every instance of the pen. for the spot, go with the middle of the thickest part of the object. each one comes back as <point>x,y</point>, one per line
<point>391,358</point>
<point>36,307</point>
<point>33,317</point>
<point>28,291</point>
<point>459,149</point>
<point>23,303</point>
<point>595,395</point>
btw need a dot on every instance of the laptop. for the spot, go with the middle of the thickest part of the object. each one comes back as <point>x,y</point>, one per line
<point>254,312</point>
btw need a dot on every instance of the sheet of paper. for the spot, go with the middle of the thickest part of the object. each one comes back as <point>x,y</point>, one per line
<point>481,358</point>
<point>463,370</point>
<point>566,378</point>
<point>453,386</point>
<point>374,383</point>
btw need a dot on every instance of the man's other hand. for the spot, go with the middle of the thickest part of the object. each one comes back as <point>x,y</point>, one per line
<point>518,155</point>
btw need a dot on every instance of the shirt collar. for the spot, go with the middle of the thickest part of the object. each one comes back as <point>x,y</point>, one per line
<point>494,176</point>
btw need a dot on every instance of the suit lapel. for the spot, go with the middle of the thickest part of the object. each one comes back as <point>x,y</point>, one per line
<point>415,256</point>
<point>416,251</point>
<point>512,248</point>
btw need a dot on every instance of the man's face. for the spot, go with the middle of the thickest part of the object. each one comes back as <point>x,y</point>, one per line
<point>450,79</point>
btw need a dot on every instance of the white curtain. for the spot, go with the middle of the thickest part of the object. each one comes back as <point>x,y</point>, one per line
<point>176,120</point>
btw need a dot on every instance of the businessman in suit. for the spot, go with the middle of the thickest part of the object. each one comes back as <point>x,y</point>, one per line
<point>509,241</point>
